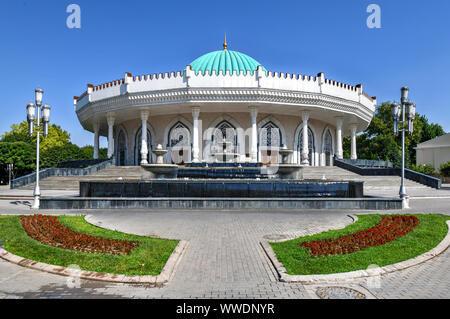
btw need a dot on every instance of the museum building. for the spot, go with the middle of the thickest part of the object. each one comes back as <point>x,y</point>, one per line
<point>225,102</point>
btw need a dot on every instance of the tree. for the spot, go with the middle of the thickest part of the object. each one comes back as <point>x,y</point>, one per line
<point>67,152</point>
<point>56,147</point>
<point>378,142</point>
<point>88,150</point>
<point>21,154</point>
<point>19,133</point>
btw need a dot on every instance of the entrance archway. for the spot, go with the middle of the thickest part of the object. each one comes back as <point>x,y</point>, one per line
<point>138,145</point>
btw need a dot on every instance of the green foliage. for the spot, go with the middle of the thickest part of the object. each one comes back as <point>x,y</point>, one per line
<point>19,133</point>
<point>20,149</point>
<point>445,169</point>
<point>88,152</point>
<point>427,169</point>
<point>20,154</point>
<point>378,142</point>
<point>67,152</point>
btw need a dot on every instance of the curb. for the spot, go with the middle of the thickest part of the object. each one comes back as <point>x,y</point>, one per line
<point>338,277</point>
<point>164,277</point>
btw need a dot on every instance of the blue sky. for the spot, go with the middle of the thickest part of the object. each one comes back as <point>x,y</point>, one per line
<point>37,49</point>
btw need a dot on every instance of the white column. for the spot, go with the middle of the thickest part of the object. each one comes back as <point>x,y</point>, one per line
<point>144,142</point>
<point>96,139</point>
<point>305,144</point>
<point>254,137</point>
<point>353,151</point>
<point>195,135</point>
<point>339,151</point>
<point>110,117</point>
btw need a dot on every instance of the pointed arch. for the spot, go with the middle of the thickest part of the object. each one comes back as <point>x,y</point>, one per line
<point>138,144</point>
<point>178,141</point>
<point>312,145</point>
<point>328,142</point>
<point>271,136</point>
<point>121,147</point>
<point>214,131</point>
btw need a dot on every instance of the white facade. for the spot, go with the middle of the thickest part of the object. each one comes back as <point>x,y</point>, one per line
<point>257,113</point>
<point>434,152</point>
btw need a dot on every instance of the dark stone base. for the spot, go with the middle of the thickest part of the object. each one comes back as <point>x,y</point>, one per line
<point>222,189</point>
<point>221,203</point>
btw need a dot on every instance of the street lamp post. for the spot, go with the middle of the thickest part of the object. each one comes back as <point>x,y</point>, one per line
<point>32,126</point>
<point>407,111</point>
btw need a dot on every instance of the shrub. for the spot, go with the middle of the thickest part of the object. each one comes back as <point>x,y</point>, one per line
<point>445,169</point>
<point>427,169</point>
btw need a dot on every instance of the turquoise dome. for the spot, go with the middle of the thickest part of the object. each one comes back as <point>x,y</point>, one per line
<point>225,60</point>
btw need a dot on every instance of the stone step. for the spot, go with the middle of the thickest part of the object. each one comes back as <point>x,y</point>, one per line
<point>134,172</point>
<point>333,172</point>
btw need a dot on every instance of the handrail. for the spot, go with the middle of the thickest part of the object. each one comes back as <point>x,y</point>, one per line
<point>48,172</point>
<point>426,180</point>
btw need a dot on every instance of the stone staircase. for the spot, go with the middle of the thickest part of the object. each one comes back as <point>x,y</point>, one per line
<point>337,173</point>
<point>378,186</point>
<point>373,185</point>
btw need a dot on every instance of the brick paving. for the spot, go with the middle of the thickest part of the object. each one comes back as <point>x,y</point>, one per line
<point>224,258</point>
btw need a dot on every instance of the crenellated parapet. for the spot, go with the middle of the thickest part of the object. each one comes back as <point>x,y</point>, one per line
<point>259,86</point>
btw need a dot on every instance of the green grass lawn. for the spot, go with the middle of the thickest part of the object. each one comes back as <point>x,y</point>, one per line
<point>431,231</point>
<point>147,259</point>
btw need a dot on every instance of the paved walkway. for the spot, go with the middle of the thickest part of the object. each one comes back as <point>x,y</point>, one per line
<point>224,258</point>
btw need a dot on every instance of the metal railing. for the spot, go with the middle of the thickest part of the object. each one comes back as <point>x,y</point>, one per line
<point>48,172</point>
<point>423,179</point>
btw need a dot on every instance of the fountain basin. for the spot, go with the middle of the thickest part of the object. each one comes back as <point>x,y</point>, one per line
<point>206,188</point>
<point>285,171</point>
<point>159,171</point>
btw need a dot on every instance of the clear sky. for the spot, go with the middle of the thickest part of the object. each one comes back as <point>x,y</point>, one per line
<point>37,49</point>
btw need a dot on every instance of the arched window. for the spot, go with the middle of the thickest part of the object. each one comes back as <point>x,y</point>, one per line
<point>121,157</point>
<point>224,131</point>
<point>311,148</point>
<point>179,144</point>
<point>270,135</point>
<point>328,148</point>
<point>224,139</point>
<point>138,145</point>
<point>270,141</point>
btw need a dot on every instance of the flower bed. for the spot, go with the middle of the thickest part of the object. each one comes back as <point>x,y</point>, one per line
<point>387,230</point>
<point>49,231</point>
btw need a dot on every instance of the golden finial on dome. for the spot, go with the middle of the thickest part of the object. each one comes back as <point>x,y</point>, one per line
<point>225,45</point>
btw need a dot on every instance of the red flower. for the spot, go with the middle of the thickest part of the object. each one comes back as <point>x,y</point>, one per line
<point>387,230</point>
<point>49,231</point>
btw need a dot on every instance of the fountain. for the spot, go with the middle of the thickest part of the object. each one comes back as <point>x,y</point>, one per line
<point>223,156</point>
<point>285,170</point>
<point>160,170</point>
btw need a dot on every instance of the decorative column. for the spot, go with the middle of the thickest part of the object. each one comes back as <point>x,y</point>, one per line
<point>144,141</point>
<point>353,150</point>
<point>195,135</point>
<point>339,151</point>
<point>96,139</point>
<point>305,142</point>
<point>110,117</point>
<point>254,137</point>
